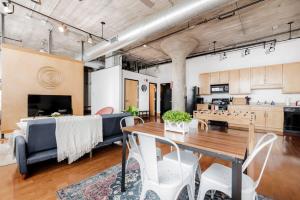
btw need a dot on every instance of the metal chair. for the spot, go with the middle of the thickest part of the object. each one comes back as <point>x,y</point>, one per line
<point>165,178</point>
<point>218,177</point>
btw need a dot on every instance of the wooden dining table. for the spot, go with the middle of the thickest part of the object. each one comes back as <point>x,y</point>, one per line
<point>230,145</point>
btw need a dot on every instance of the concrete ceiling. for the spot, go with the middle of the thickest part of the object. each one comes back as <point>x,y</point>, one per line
<point>262,19</point>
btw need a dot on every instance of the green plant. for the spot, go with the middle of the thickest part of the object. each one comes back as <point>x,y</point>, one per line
<point>55,114</point>
<point>177,116</point>
<point>134,111</point>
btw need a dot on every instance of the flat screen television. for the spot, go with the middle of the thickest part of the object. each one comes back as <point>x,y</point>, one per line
<point>45,105</point>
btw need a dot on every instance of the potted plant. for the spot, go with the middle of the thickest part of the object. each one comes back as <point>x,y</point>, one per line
<point>134,111</point>
<point>177,121</point>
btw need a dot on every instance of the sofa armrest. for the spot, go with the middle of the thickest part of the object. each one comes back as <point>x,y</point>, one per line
<point>21,155</point>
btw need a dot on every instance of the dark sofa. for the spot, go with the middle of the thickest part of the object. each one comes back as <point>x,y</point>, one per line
<point>41,141</point>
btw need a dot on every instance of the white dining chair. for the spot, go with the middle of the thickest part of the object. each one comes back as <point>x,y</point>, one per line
<point>188,158</point>
<point>133,151</point>
<point>218,177</point>
<point>167,179</point>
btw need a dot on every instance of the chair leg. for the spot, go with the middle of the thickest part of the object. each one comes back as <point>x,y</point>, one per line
<point>190,192</point>
<point>143,194</point>
<point>202,192</point>
<point>91,153</point>
<point>212,194</point>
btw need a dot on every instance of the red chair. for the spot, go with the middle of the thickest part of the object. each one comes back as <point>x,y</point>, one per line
<point>105,110</point>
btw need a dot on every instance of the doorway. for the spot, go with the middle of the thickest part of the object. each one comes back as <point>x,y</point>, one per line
<point>165,98</point>
<point>152,99</point>
<point>131,93</point>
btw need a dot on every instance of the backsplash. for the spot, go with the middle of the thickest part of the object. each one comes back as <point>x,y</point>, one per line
<point>261,95</point>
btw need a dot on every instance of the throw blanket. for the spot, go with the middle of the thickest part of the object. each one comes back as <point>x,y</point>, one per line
<point>77,135</point>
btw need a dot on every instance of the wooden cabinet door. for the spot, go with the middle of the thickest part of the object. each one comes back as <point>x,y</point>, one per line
<point>214,78</point>
<point>291,79</point>
<point>224,77</point>
<point>274,119</point>
<point>258,75</point>
<point>245,81</point>
<point>205,83</point>
<point>234,82</point>
<point>274,76</point>
<point>260,117</point>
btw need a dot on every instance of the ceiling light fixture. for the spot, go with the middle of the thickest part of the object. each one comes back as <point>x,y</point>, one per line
<point>9,8</point>
<point>37,1</point>
<point>271,48</point>
<point>223,56</point>
<point>90,39</point>
<point>245,52</point>
<point>145,45</point>
<point>102,27</point>
<point>62,28</point>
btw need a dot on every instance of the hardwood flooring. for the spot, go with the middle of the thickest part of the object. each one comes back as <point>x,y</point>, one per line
<point>281,180</point>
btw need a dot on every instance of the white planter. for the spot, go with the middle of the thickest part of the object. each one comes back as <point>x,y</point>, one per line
<point>181,127</point>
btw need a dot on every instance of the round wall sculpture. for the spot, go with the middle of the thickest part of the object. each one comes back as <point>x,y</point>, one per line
<point>49,77</point>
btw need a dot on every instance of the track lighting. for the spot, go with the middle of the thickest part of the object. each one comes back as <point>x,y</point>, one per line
<point>9,8</point>
<point>90,39</point>
<point>145,46</point>
<point>223,56</point>
<point>245,52</point>
<point>271,48</point>
<point>62,28</point>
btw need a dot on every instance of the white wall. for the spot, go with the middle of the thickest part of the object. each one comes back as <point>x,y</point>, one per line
<point>143,96</point>
<point>286,52</point>
<point>106,89</point>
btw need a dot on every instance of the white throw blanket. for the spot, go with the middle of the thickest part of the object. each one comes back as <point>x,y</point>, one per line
<point>77,135</point>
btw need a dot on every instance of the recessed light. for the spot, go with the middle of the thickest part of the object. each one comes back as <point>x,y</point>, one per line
<point>145,45</point>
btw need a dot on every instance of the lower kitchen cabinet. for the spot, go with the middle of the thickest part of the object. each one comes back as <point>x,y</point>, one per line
<point>274,119</point>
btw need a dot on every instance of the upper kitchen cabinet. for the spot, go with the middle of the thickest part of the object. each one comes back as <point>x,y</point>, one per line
<point>291,79</point>
<point>204,84</point>
<point>214,78</point>
<point>266,77</point>
<point>239,81</point>
<point>224,77</point>
<point>219,78</point>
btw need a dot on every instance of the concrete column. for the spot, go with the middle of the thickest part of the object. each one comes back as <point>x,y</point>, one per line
<point>178,48</point>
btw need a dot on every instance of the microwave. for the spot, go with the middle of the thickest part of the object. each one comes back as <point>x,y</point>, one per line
<point>223,88</point>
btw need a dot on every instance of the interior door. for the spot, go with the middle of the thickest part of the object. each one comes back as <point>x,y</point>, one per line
<point>131,94</point>
<point>152,99</point>
<point>165,98</point>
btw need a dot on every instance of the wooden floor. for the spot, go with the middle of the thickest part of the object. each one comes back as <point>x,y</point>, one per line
<point>281,179</point>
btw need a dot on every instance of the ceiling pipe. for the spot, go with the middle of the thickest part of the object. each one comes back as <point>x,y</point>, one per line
<point>153,24</point>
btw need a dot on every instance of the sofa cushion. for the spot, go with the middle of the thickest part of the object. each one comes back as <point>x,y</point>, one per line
<point>41,135</point>
<point>111,124</point>
<point>42,156</point>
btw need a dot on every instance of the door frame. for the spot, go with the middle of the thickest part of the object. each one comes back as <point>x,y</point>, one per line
<point>155,103</point>
<point>161,103</point>
<point>138,91</point>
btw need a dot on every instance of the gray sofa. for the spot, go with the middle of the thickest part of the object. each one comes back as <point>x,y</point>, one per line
<point>41,141</point>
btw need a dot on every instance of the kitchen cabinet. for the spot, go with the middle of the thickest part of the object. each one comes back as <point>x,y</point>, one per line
<point>260,117</point>
<point>274,119</point>
<point>291,79</point>
<point>274,76</point>
<point>239,81</point>
<point>219,77</point>
<point>214,78</point>
<point>234,82</point>
<point>266,77</point>
<point>224,77</point>
<point>205,84</point>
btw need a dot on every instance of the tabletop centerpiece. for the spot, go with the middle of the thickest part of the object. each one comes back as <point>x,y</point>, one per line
<point>177,121</point>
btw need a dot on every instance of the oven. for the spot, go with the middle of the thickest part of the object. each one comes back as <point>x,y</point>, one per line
<point>292,120</point>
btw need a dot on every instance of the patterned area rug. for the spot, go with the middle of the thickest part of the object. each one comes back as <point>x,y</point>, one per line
<point>106,186</point>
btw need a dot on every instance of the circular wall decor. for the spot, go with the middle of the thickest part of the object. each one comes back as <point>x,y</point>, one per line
<point>144,88</point>
<point>49,77</point>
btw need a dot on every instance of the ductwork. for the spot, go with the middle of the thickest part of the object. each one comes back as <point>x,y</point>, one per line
<point>153,24</point>
<point>95,64</point>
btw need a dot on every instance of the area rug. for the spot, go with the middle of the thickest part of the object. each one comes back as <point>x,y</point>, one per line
<point>6,155</point>
<point>106,186</point>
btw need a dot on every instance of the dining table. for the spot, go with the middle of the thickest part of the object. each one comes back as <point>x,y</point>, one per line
<point>230,145</point>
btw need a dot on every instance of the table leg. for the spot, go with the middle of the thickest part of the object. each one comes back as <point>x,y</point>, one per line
<point>123,162</point>
<point>236,190</point>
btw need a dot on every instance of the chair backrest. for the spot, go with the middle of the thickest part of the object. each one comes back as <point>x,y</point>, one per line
<point>265,142</point>
<point>105,110</point>
<point>130,121</point>
<point>147,150</point>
